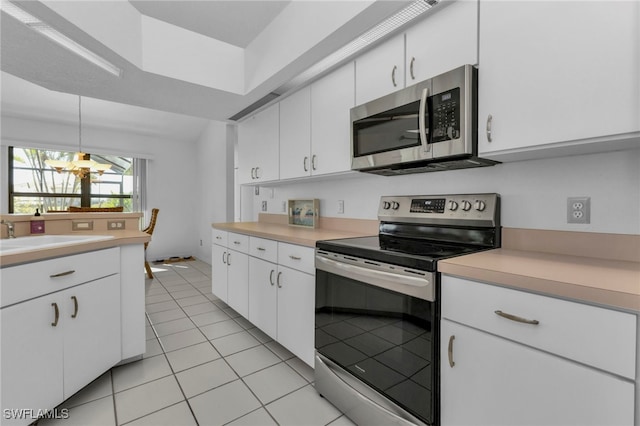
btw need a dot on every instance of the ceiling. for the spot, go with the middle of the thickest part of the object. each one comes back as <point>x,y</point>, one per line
<point>192,60</point>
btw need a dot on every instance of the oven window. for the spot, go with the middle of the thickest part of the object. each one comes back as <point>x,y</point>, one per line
<point>387,131</point>
<point>384,338</point>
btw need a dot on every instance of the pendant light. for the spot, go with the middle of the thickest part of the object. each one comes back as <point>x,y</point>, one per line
<point>81,166</point>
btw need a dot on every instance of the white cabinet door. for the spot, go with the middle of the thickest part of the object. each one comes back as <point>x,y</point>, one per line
<point>296,304</point>
<point>263,295</point>
<point>498,382</point>
<point>238,282</point>
<point>555,71</point>
<point>32,356</point>
<point>380,71</point>
<point>90,316</point>
<point>219,272</point>
<point>455,27</point>
<point>332,97</point>
<point>258,147</point>
<point>295,135</point>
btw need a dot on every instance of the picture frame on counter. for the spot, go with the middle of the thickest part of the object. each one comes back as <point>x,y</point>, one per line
<point>304,213</point>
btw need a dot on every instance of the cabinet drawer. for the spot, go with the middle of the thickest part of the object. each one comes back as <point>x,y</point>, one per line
<point>297,257</point>
<point>263,249</point>
<point>595,336</point>
<point>238,242</point>
<point>219,237</point>
<point>38,278</point>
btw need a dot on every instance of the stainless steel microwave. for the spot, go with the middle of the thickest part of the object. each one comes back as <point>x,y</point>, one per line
<point>429,126</point>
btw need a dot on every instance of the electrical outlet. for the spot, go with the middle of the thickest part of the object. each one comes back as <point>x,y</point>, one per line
<point>340,206</point>
<point>115,224</point>
<point>579,210</point>
<point>284,207</point>
<point>264,206</point>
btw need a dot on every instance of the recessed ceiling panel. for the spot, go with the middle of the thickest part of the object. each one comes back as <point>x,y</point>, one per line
<point>234,22</point>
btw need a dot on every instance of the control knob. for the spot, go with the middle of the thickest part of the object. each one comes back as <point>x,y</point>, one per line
<point>466,206</point>
<point>453,206</point>
<point>480,205</point>
<point>395,205</point>
<point>386,205</point>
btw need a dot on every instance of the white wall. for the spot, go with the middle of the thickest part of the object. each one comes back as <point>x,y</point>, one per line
<point>171,172</point>
<point>214,161</point>
<point>533,192</point>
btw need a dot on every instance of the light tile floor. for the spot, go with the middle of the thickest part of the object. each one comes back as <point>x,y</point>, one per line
<point>204,365</point>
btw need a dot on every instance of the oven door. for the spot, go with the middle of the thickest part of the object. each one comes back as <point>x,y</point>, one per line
<point>376,346</point>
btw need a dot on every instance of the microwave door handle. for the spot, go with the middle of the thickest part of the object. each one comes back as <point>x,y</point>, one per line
<point>422,120</point>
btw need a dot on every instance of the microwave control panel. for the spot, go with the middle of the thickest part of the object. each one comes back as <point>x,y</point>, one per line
<point>445,116</point>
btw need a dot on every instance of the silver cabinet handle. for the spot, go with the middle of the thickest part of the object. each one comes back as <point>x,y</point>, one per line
<point>62,274</point>
<point>422,124</point>
<point>261,249</point>
<point>75,306</point>
<point>393,75</point>
<point>413,60</point>
<point>305,164</point>
<point>56,313</point>
<point>218,237</point>
<point>224,259</point>
<point>517,318</point>
<point>278,280</point>
<point>450,351</point>
<point>292,257</point>
<point>253,173</point>
<point>313,161</point>
<point>229,259</point>
<point>271,277</point>
<point>489,121</point>
<point>257,175</point>
<point>237,243</point>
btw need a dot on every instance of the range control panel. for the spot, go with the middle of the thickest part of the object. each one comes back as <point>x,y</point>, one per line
<point>465,209</point>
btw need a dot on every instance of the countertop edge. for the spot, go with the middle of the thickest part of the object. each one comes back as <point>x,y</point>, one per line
<point>573,291</point>
<point>120,238</point>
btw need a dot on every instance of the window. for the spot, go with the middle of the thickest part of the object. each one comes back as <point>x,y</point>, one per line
<point>34,185</point>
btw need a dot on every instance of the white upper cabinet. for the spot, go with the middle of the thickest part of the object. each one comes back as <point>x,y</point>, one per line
<point>314,127</point>
<point>332,97</point>
<point>554,72</point>
<point>445,40</point>
<point>295,135</point>
<point>380,71</point>
<point>258,147</point>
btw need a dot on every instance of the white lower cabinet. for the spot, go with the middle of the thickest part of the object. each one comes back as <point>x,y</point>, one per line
<point>219,272</point>
<point>263,296</point>
<point>498,370</point>
<point>296,307</point>
<point>230,270</point>
<point>238,282</point>
<point>55,344</point>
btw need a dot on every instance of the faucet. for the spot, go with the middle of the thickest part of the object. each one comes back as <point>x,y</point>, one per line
<point>10,227</point>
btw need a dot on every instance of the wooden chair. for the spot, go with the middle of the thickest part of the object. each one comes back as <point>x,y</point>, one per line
<point>149,230</point>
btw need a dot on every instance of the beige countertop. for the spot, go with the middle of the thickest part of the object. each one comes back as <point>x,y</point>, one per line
<point>286,233</point>
<point>276,227</point>
<point>601,281</point>
<point>119,238</point>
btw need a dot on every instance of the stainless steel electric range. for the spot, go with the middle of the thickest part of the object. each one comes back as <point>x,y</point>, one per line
<point>377,316</point>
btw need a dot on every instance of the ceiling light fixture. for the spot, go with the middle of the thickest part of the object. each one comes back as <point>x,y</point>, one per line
<point>384,28</point>
<point>81,166</point>
<point>52,34</point>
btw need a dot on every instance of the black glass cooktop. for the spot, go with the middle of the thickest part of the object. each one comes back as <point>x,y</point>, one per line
<point>418,254</point>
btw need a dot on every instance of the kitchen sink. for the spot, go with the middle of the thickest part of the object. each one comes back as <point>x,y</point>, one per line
<point>22,244</point>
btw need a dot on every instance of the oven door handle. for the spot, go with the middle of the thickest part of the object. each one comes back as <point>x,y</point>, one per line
<point>418,286</point>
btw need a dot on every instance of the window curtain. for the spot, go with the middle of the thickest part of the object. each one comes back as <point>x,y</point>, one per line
<point>140,189</point>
